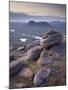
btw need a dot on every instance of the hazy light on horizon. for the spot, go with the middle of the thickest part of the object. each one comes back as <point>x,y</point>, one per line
<point>43,9</point>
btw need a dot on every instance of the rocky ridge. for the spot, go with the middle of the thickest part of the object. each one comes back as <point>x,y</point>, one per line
<point>42,64</point>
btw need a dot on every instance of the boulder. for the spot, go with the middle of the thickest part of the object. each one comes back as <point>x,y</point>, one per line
<point>50,39</point>
<point>52,56</point>
<point>58,73</point>
<point>45,35</point>
<point>34,44</point>
<point>45,58</point>
<point>55,60</point>
<point>16,67</point>
<point>34,53</point>
<point>60,49</point>
<point>41,76</point>
<point>26,73</point>
<point>58,67</point>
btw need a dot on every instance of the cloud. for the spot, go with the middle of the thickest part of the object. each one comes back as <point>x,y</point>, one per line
<point>38,8</point>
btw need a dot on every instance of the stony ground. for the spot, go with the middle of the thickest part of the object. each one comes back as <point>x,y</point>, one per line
<point>39,64</point>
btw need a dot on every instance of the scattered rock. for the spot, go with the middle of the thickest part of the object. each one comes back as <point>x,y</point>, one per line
<point>41,76</point>
<point>50,55</point>
<point>50,39</point>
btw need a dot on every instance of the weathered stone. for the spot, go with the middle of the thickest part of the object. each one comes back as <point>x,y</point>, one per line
<point>50,39</point>
<point>57,76</point>
<point>41,76</point>
<point>45,35</point>
<point>34,53</point>
<point>44,58</point>
<point>34,44</point>
<point>60,49</point>
<point>16,67</point>
<point>26,72</point>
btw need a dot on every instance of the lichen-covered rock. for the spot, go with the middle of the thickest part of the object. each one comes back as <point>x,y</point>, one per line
<point>41,76</point>
<point>50,39</point>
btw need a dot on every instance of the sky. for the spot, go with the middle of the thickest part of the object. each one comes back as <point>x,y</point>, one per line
<point>38,9</point>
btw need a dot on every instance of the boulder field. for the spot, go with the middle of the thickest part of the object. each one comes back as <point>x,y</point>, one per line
<point>49,55</point>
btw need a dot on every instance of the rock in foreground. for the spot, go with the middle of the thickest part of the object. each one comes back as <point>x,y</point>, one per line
<point>44,59</point>
<point>42,64</point>
<point>16,67</point>
<point>41,76</point>
<point>26,72</point>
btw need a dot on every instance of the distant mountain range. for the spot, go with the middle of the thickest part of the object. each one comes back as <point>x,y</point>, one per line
<point>33,23</point>
<point>22,17</point>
